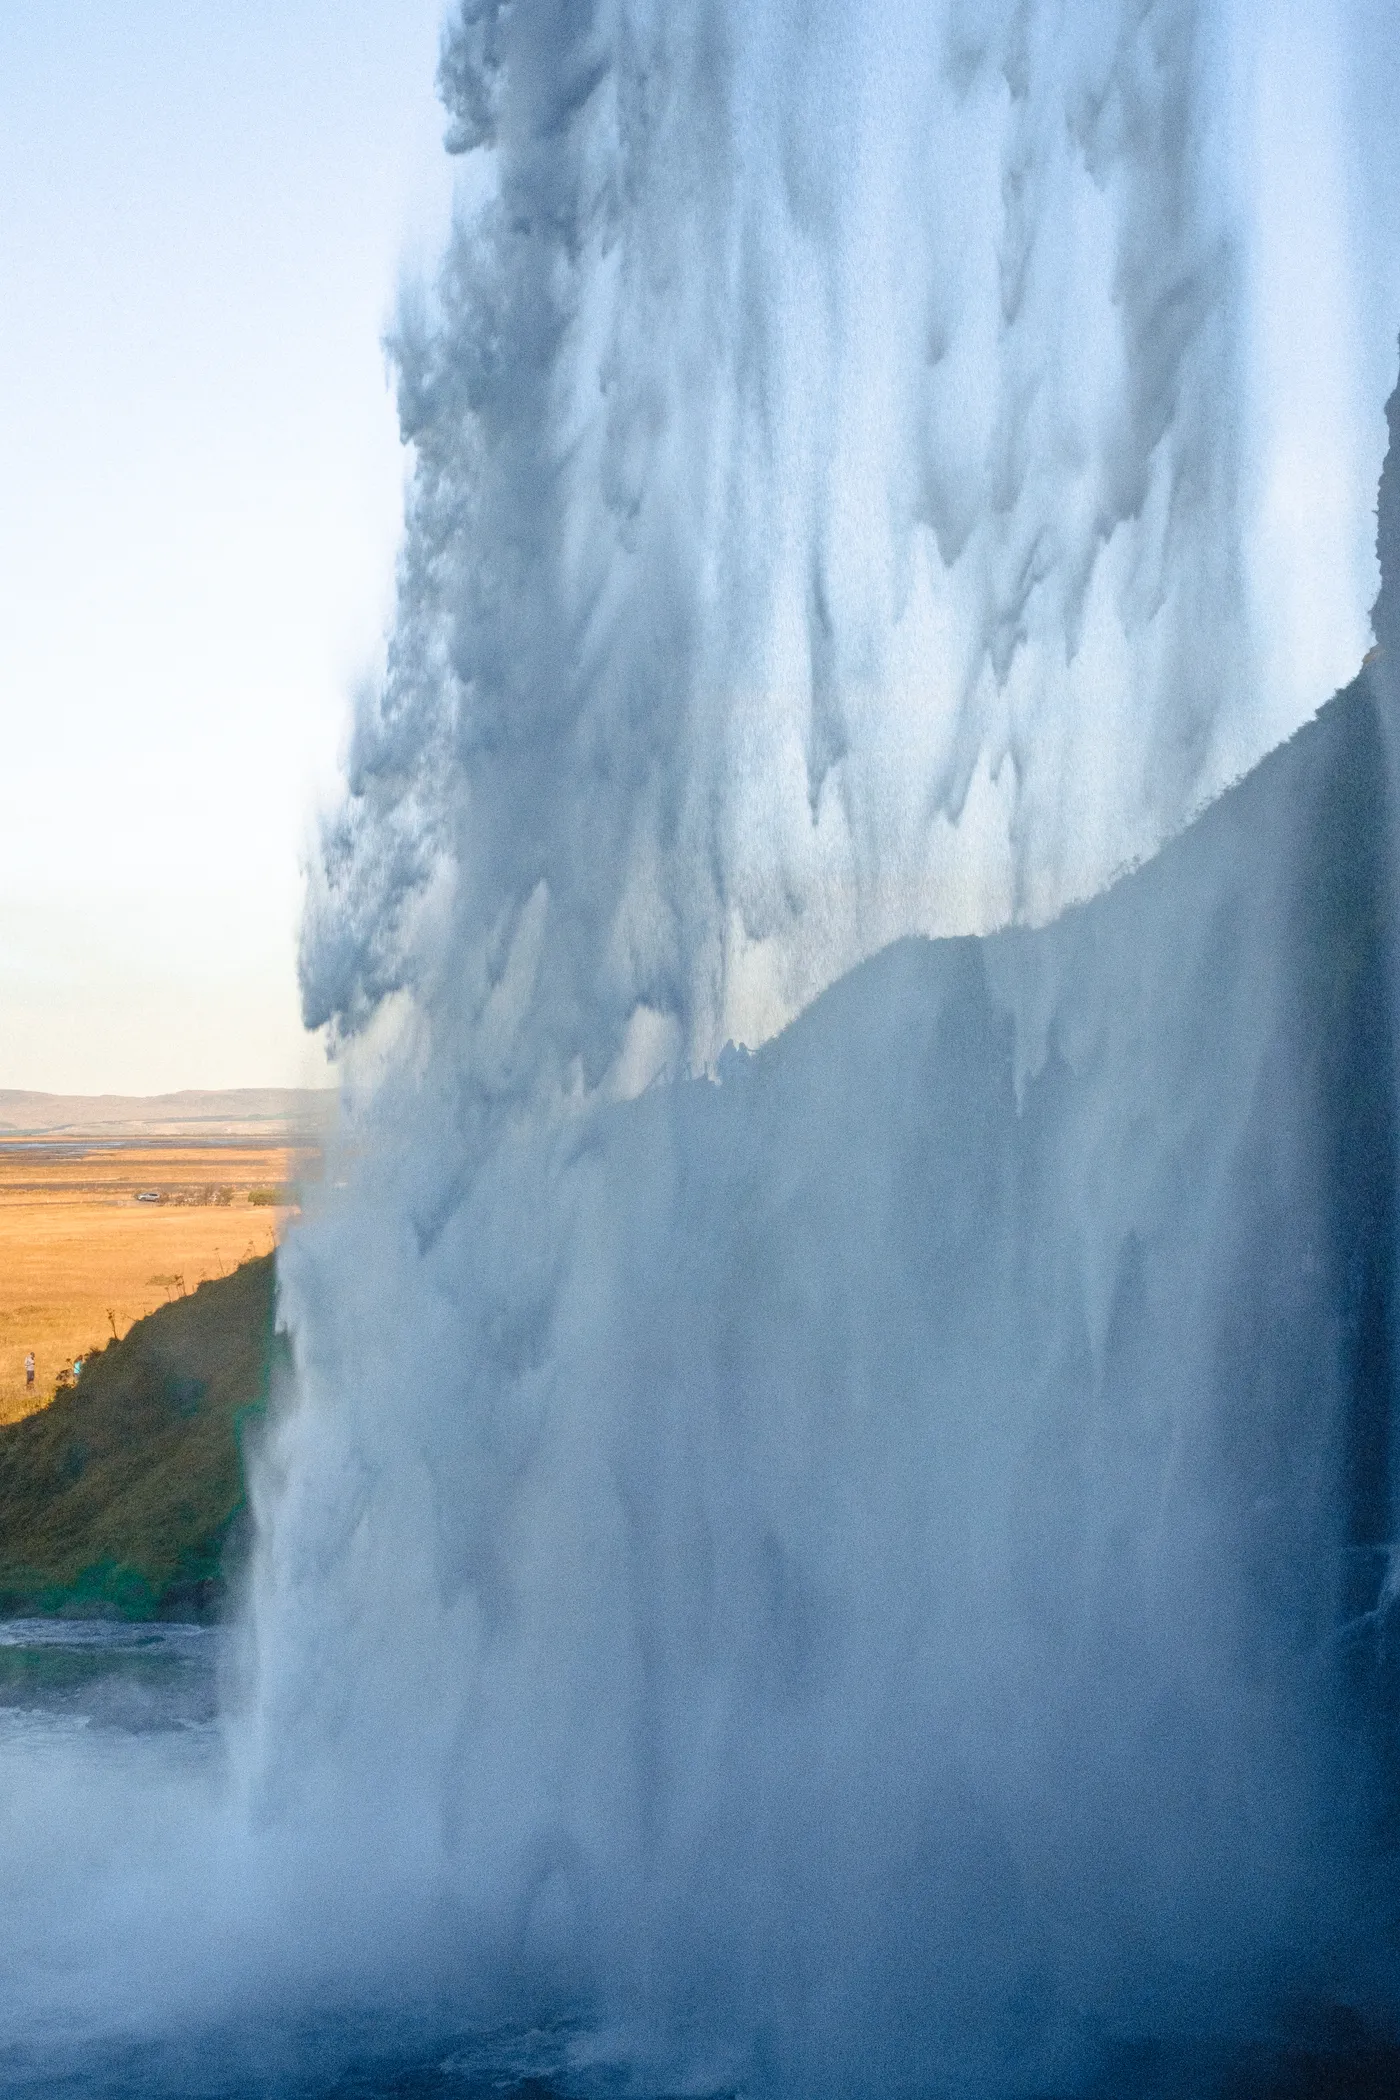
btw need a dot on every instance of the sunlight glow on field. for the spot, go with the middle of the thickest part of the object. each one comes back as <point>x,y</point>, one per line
<point>81,1257</point>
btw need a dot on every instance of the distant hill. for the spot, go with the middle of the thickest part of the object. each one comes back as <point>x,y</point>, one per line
<point>123,1495</point>
<point>252,1111</point>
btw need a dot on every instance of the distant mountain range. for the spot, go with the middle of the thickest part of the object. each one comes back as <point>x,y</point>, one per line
<point>249,1111</point>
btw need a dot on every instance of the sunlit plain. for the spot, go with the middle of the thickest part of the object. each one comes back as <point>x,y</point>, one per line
<point>82,1256</point>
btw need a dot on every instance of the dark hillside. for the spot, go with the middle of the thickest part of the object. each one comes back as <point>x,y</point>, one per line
<point>123,1493</point>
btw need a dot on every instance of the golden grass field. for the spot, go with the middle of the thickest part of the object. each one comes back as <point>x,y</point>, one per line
<point>82,1258</point>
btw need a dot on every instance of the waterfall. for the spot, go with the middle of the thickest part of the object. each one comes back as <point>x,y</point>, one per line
<point>873,476</point>
<point>850,1565</point>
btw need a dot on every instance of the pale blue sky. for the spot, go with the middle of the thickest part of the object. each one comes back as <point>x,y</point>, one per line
<point>203,212</point>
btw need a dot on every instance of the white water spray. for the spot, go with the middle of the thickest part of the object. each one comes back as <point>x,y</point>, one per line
<point>866,467</point>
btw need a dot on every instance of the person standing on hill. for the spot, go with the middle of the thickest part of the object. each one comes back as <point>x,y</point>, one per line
<point>29,1371</point>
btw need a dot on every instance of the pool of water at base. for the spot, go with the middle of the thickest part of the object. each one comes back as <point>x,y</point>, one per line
<point>136,1677</point>
<point>68,1682</point>
<point>357,2060</point>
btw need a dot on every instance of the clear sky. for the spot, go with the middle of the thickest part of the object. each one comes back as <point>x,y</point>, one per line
<point>205,212</point>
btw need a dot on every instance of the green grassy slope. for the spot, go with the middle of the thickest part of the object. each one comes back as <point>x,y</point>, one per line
<point>124,1492</point>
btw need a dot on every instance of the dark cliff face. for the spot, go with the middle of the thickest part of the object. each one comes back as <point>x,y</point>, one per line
<point>1352,887</point>
<point>123,1494</point>
<point>1385,614</point>
<point>1348,958</point>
